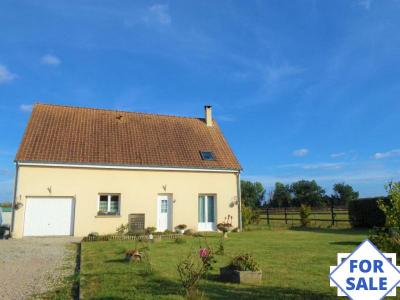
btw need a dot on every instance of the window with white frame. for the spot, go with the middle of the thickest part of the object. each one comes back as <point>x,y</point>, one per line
<point>109,204</point>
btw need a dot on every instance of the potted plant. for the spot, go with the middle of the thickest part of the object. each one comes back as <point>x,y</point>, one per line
<point>181,228</point>
<point>225,226</point>
<point>242,269</point>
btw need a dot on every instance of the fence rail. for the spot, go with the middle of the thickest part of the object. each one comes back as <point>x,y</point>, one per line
<point>332,215</point>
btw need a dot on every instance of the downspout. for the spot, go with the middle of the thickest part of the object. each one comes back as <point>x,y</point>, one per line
<point>239,197</point>
<point>15,197</point>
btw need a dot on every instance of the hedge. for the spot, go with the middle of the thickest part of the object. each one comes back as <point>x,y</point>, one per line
<point>365,213</point>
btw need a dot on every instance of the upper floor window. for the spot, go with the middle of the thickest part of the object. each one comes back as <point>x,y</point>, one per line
<point>109,204</point>
<point>207,155</point>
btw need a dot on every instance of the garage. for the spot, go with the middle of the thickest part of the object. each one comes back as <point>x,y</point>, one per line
<point>49,216</point>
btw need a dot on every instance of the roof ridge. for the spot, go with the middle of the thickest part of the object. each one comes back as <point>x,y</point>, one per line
<point>115,110</point>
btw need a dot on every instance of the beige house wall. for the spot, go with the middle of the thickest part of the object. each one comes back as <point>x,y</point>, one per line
<point>138,189</point>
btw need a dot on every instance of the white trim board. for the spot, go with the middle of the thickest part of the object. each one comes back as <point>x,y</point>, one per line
<point>119,167</point>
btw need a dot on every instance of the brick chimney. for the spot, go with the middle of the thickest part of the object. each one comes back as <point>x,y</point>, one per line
<point>208,115</point>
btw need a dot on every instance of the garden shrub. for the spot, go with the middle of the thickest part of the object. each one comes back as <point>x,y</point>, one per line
<point>305,213</point>
<point>150,230</point>
<point>192,269</point>
<point>365,213</point>
<point>387,239</point>
<point>122,229</point>
<point>167,231</point>
<point>250,216</point>
<point>244,262</point>
<point>189,232</point>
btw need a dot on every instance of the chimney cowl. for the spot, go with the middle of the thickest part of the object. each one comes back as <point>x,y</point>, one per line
<point>208,115</point>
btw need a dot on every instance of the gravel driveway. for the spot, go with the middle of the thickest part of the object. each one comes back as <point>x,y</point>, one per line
<point>33,265</point>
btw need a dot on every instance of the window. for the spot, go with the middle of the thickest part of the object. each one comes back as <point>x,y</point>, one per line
<point>109,204</point>
<point>207,155</point>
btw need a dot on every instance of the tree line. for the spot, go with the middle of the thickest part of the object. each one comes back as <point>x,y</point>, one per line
<point>306,192</point>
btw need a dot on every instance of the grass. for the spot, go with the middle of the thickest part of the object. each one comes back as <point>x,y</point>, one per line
<point>295,265</point>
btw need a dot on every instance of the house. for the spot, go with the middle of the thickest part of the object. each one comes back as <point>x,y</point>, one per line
<point>83,170</point>
<point>5,216</point>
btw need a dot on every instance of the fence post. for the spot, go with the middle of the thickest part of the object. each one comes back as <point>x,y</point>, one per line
<point>267,216</point>
<point>285,215</point>
<point>332,216</point>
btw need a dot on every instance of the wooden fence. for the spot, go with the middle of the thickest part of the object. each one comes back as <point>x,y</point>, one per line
<point>289,215</point>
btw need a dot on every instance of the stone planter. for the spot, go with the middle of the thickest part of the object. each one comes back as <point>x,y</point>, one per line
<point>245,277</point>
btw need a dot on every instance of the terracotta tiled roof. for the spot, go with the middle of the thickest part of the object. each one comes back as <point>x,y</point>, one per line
<point>64,134</point>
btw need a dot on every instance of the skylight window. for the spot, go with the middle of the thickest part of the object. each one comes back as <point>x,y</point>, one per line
<point>207,155</point>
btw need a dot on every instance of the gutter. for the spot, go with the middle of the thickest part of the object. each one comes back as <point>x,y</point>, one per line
<point>15,197</point>
<point>123,167</point>
<point>239,197</point>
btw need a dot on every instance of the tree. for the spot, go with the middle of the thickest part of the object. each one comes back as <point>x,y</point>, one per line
<point>307,192</point>
<point>281,196</point>
<point>343,194</point>
<point>392,209</point>
<point>6,204</point>
<point>253,194</point>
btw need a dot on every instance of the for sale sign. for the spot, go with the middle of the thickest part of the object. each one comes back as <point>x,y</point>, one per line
<point>366,274</point>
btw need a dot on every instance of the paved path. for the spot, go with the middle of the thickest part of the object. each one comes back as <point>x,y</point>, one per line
<point>32,265</point>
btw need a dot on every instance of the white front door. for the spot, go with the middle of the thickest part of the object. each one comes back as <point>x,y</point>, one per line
<point>206,213</point>
<point>48,216</point>
<point>164,213</point>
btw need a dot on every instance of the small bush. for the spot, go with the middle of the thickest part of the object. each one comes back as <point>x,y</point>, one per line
<point>197,234</point>
<point>365,213</point>
<point>192,269</point>
<point>305,213</point>
<point>180,240</point>
<point>249,216</point>
<point>189,232</point>
<point>244,262</point>
<point>167,231</point>
<point>150,230</point>
<point>387,240</point>
<point>122,229</point>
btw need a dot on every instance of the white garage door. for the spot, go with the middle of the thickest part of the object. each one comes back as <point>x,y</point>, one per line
<point>48,216</point>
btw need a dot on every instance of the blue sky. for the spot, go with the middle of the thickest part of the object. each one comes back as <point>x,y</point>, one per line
<point>302,89</point>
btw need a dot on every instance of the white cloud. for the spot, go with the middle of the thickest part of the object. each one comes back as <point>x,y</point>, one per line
<point>159,13</point>
<point>26,107</point>
<point>300,152</point>
<point>391,153</point>
<point>50,60</point>
<point>336,155</point>
<point>281,72</point>
<point>5,75</point>
<point>365,3</point>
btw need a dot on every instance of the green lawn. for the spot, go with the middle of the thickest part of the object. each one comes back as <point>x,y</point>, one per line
<point>295,265</point>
